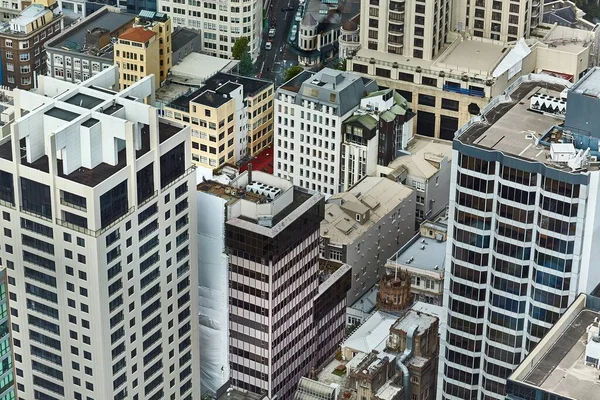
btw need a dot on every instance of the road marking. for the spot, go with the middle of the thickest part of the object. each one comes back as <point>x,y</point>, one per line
<point>261,67</point>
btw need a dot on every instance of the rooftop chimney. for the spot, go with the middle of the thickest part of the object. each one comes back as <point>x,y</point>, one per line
<point>249,173</point>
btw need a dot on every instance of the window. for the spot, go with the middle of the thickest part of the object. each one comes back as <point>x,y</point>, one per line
<point>114,204</point>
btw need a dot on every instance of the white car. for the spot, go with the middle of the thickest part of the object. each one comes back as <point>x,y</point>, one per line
<point>272,32</point>
<point>268,46</point>
<point>299,16</point>
<point>302,2</point>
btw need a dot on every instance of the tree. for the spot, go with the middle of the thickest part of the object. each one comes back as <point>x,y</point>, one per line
<point>292,72</point>
<point>241,51</point>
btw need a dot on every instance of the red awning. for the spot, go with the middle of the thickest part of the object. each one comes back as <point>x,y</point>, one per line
<point>558,75</point>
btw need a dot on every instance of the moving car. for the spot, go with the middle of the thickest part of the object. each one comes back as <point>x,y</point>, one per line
<point>268,45</point>
<point>272,32</point>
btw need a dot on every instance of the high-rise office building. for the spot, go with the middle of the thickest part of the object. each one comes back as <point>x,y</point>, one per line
<point>310,110</point>
<point>523,228</point>
<point>7,378</point>
<point>222,23</point>
<point>271,236</point>
<point>97,205</point>
<point>498,20</point>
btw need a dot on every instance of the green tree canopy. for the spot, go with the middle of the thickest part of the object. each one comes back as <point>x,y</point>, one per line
<point>241,51</point>
<point>292,72</point>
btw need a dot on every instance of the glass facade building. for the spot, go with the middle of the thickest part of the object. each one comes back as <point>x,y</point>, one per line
<point>7,383</point>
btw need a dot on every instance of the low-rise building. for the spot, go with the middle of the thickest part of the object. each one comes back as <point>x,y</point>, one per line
<point>564,364</point>
<point>363,226</point>
<point>424,164</point>
<point>22,41</point>
<point>86,48</point>
<point>231,118</point>
<point>421,262</point>
<point>388,358</point>
<point>373,135</point>
<point>320,28</point>
<point>362,308</point>
<point>565,13</point>
<point>184,41</point>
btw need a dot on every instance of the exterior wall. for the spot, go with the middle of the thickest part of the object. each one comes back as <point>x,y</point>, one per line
<point>213,287</point>
<point>368,254</point>
<point>310,157</point>
<point>499,20</point>
<point>272,330</point>
<point>23,55</point>
<point>349,42</point>
<point>435,196</point>
<point>517,246</point>
<point>392,26</point>
<point>552,59</point>
<point>260,120</point>
<point>136,61</point>
<point>194,45</point>
<point>163,31</point>
<point>221,23</point>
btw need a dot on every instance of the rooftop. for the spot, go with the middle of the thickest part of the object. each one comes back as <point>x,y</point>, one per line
<point>215,90</point>
<point>329,19</point>
<point>228,193</point>
<point>367,302</point>
<point>377,195</point>
<point>84,100</point>
<point>263,161</point>
<point>372,334</point>
<point>74,39</point>
<point>197,67</point>
<point>590,86</point>
<point>422,253</point>
<point>422,157</point>
<point>557,364</point>
<point>137,34</point>
<point>411,318</point>
<point>30,14</point>
<point>329,87</point>
<point>239,394</point>
<point>510,126</point>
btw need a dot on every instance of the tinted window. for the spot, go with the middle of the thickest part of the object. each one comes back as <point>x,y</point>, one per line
<point>172,165</point>
<point>7,189</point>
<point>113,204</point>
<point>145,183</point>
<point>36,197</point>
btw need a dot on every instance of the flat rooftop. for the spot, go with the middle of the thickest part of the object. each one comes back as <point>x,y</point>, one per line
<point>84,100</point>
<point>200,66</point>
<point>411,318</point>
<point>509,126</point>
<point>372,334</point>
<point>60,113</point>
<point>473,55</point>
<point>590,86</point>
<point>562,370</point>
<point>166,131</point>
<point>74,39</point>
<point>434,254</point>
<point>215,90</point>
<point>229,193</point>
<point>181,37</point>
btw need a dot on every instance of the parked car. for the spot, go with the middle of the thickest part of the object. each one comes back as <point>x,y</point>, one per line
<point>299,16</point>
<point>293,33</point>
<point>272,32</point>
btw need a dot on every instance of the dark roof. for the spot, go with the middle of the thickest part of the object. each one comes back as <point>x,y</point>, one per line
<point>90,122</point>
<point>212,99</point>
<point>112,109</point>
<point>221,83</point>
<point>84,100</point>
<point>294,84</point>
<point>75,37</point>
<point>181,37</point>
<point>166,131</point>
<point>61,114</point>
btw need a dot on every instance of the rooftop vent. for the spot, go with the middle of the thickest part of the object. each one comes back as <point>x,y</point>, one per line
<point>548,104</point>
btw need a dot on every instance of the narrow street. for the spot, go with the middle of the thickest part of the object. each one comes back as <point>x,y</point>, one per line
<point>272,63</point>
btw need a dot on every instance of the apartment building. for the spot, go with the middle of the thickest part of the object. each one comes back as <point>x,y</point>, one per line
<point>231,118</point>
<point>97,216</point>
<point>373,135</point>
<point>7,378</point>
<point>87,48</point>
<point>565,364</point>
<point>144,49</point>
<point>22,44</point>
<point>413,28</point>
<point>310,111</point>
<point>272,238</point>
<point>221,23</point>
<point>507,21</point>
<point>363,227</point>
<point>522,235</point>
<point>425,165</point>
